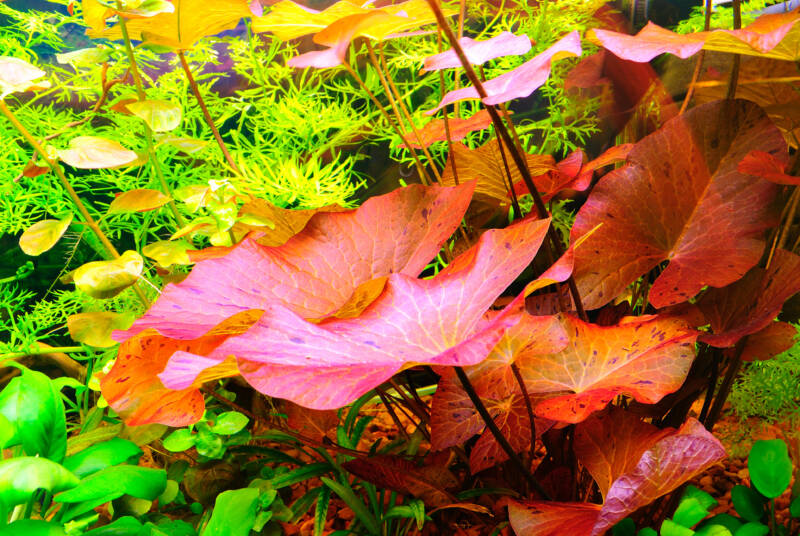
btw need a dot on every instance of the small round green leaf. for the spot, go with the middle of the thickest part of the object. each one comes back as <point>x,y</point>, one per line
<point>647,531</point>
<point>179,440</point>
<point>43,235</point>
<point>229,423</point>
<point>234,513</point>
<point>770,467</point>
<point>727,521</point>
<point>748,503</point>
<point>794,507</point>
<point>752,529</point>
<point>670,528</point>
<point>689,512</point>
<point>105,279</point>
<point>95,328</point>
<point>160,115</point>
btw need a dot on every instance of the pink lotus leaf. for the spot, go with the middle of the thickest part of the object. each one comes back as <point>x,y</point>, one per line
<point>479,52</point>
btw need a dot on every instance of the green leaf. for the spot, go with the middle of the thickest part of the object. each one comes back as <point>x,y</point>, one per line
<point>363,514</point>
<point>727,521</point>
<point>179,440</point>
<point>229,423</point>
<point>626,527</point>
<point>140,482</point>
<point>207,442</point>
<point>300,474</point>
<point>234,513</point>
<point>7,431</point>
<point>670,528</point>
<point>79,442</point>
<point>770,467</point>
<point>321,510</point>
<point>33,527</point>
<point>714,530</point>
<point>102,455</point>
<point>160,115</point>
<point>85,57</point>
<point>794,507</point>
<point>647,531</point>
<point>689,512</point>
<point>705,499</point>
<point>752,529</point>
<point>106,279</point>
<point>34,407</point>
<point>170,493</point>
<point>43,235</point>
<point>748,503</point>
<point>124,526</point>
<point>21,477</point>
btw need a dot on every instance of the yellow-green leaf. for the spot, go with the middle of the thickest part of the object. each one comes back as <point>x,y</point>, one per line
<point>160,115</point>
<point>287,20</point>
<point>95,328</point>
<point>187,145</point>
<point>43,235</point>
<point>85,57</point>
<point>168,252</point>
<point>105,279</point>
<point>140,200</point>
<point>19,75</point>
<point>91,152</point>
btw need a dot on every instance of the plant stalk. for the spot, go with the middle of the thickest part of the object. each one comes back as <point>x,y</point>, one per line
<point>498,435</point>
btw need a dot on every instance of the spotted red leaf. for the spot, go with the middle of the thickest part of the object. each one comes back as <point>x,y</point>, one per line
<point>665,465</point>
<point>429,482</point>
<point>680,198</point>
<point>479,52</point>
<point>751,303</point>
<point>774,339</point>
<point>772,36</point>
<point>644,357</point>
<point>329,364</point>
<point>315,272</point>
<point>521,81</point>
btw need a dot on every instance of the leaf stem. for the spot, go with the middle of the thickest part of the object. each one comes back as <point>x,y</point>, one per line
<point>727,382</point>
<point>87,217</point>
<point>142,96</point>
<point>498,435</point>
<point>518,158</point>
<point>737,58</point>
<point>698,66</point>
<point>206,114</point>
<point>528,406</point>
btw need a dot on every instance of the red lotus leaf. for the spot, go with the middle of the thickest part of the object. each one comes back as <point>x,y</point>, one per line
<point>665,465</point>
<point>611,444</point>
<point>132,390</point>
<point>459,128</point>
<point>514,423</point>
<point>751,303</point>
<point>330,364</point>
<point>316,272</point>
<point>774,339</point>
<point>645,357</point>
<point>766,166</point>
<point>485,164</point>
<point>523,80</point>
<point>681,199</point>
<point>428,482</point>
<point>479,52</point>
<point>772,36</point>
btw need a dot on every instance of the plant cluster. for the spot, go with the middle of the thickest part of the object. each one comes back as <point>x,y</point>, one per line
<point>536,325</point>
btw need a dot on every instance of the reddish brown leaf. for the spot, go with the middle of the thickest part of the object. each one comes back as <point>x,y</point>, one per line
<point>536,518</point>
<point>311,423</point>
<point>774,339</point>
<point>766,166</point>
<point>131,387</point>
<point>611,444</point>
<point>751,303</point>
<point>459,128</point>
<point>515,425</point>
<point>428,483</point>
<point>680,198</point>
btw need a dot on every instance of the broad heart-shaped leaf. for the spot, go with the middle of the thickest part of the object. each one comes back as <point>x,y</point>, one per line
<point>397,474</point>
<point>234,513</point>
<point>43,235</point>
<point>91,152</point>
<point>645,357</point>
<point>459,128</point>
<point>316,271</point>
<point>160,115</point>
<point>523,80</point>
<point>680,198</point>
<point>479,52</point>
<point>132,389</point>
<point>19,75</point>
<point>751,303</point>
<point>773,36</point>
<point>34,409</point>
<point>665,465</point>
<point>330,364</point>
<point>770,467</point>
<point>190,21</point>
<point>139,200</point>
<point>766,166</point>
<point>611,444</point>
<point>105,279</point>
